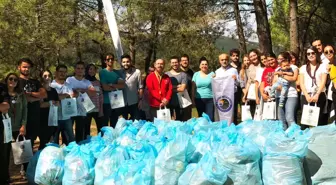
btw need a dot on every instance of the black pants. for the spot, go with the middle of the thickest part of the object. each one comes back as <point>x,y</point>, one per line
<point>46,132</point>
<point>178,112</point>
<point>153,112</point>
<point>80,127</point>
<point>88,119</point>
<point>111,115</point>
<point>321,102</point>
<point>33,126</point>
<point>131,110</point>
<point>186,113</point>
<point>237,100</point>
<point>253,106</point>
<point>205,105</point>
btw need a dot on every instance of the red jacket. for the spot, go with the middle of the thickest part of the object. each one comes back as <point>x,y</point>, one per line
<point>157,92</point>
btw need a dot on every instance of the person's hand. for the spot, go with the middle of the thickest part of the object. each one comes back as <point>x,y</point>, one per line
<point>280,73</point>
<point>308,98</point>
<point>214,75</point>
<point>244,99</point>
<point>56,103</point>
<point>257,100</point>
<point>315,98</point>
<point>22,130</point>
<point>265,96</point>
<point>279,88</point>
<point>164,102</point>
<point>234,77</point>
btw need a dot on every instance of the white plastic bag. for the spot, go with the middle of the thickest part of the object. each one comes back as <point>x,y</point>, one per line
<point>251,95</point>
<point>7,128</point>
<point>85,101</point>
<point>116,99</point>
<point>69,107</point>
<point>184,99</point>
<point>269,111</point>
<point>310,115</point>
<point>53,115</point>
<point>258,113</point>
<point>22,151</point>
<point>163,114</point>
<point>246,112</point>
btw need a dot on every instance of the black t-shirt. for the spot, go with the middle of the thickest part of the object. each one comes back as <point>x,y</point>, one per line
<point>51,96</point>
<point>31,85</point>
<point>3,98</point>
<point>190,74</point>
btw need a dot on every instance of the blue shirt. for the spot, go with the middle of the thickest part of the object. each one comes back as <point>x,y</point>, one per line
<point>203,85</point>
<point>108,77</point>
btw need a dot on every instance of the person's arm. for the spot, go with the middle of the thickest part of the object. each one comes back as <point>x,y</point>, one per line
<point>321,87</point>
<point>41,94</point>
<point>44,104</point>
<point>293,77</point>
<point>181,87</point>
<point>4,106</point>
<point>193,91</point>
<point>257,92</point>
<point>262,91</point>
<point>303,88</point>
<point>169,94</point>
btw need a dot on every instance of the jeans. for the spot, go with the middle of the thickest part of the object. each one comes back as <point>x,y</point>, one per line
<point>111,115</point>
<point>64,126</point>
<point>131,110</point>
<point>205,105</point>
<point>286,114</point>
<point>321,102</point>
<point>284,90</point>
<point>88,120</point>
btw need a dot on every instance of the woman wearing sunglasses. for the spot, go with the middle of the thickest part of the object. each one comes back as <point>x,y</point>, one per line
<point>313,77</point>
<point>329,52</point>
<point>17,112</point>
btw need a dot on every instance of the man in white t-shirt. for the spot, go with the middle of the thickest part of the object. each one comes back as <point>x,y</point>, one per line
<point>64,91</point>
<point>319,46</point>
<point>227,70</point>
<point>79,84</point>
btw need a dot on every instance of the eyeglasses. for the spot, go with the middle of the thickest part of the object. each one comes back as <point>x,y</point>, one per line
<point>109,59</point>
<point>329,52</point>
<point>310,53</point>
<point>13,79</point>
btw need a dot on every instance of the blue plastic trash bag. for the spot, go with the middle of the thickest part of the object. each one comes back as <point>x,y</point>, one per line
<point>108,134</point>
<point>78,166</point>
<point>50,166</point>
<point>201,142</point>
<point>321,157</point>
<point>242,157</point>
<point>142,151</point>
<point>136,172</point>
<point>127,136</point>
<point>207,171</point>
<point>139,124</point>
<point>160,125</point>
<point>147,131</point>
<point>32,168</point>
<point>121,125</point>
<point>172,160</point>
<point>108,163</point>
<point>282,161</point>
<point>205,124</point>
<point>96,145</point>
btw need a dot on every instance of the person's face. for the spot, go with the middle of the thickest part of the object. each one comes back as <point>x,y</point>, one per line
<point>126,63</point>
<point>234,57</point>
<point>204,66</point>
<point>329,53</point>
<point>92,71</point>
<point>159,65</point>
<point>254,58</point>
<point>293,60</point>
<point>224,60</point>
<point>285,64</point>
<point>318,45</point>
<point>109,60</point>
<point>79,70</point>
<point>12,81</point>
<point>264,60</point>
<point>184,62</point>
<point>61,74</point>
<point>24,68</point>
<point>174,64</point>
<point>271,61</point>
<point>246,61</point>
<point>311,55</point>
<point>46,76</point>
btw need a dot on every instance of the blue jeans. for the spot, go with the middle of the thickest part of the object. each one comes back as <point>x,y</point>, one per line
<point>205,105</point>
<point>286,114</point>
<point>284,90</point>
<point>64,126</point>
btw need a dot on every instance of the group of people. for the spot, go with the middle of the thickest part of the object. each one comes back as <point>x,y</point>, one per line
<point>258,78</point>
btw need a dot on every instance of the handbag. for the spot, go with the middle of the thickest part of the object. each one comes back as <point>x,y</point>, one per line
<point>53,115</point>
<point>69,107</point>
<point>85,101</point>
<point>310,115</point>
<point>184,99</point>
<point>269,111</point>
<point>22,151</point>
<point>246,112</point>
<point>251,95</point>
<point>7,123</point>
<point>116,99</point>
<point>163,114</point>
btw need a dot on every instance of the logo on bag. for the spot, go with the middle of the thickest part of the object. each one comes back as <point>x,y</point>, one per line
<point>69,103</point>
<point>22,147</point>
<point>115,96</point>
<point>311,111</point>
<point>224,104</point>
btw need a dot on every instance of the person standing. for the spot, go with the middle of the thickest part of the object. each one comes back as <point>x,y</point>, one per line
<point>110,81</point>
<point>227,70</point>
<point>202,95</point>
<point>64,91</point>
<point>184,64</point>
<point>159,87</point>
<point>4,107</point>
<point>268,76</point>
<point>79,84</point>
<point>179,81</point>
<point>133,91</point>
<point>96,98</point>
<point>47,131</point>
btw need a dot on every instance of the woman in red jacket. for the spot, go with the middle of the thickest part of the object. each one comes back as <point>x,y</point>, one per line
<point>159,87</point>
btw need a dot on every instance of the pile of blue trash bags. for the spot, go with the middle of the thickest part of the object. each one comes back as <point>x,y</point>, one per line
<point>196,152</point>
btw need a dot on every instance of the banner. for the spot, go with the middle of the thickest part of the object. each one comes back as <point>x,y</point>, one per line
<point>112,23</point>
<point>223,90</point>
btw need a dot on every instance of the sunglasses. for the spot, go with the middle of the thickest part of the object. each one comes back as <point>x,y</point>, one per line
<point>329,52</point>
<point>13,79</point>
<point>109,59</point>
<point>311,53</point>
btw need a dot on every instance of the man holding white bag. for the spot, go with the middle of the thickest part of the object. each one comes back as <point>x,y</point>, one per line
<point>64,91</point>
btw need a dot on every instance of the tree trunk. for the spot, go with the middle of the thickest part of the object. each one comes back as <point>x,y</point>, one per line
<point>76,27</point>
<point>294,35</point>
<point>101,27</point>
<point>240,29</point>
<point>131,28</point>
<point>263,28</point>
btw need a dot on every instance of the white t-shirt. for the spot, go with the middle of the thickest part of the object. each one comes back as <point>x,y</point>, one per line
<point>308,82</point>
<point>259,72</point>
<point>220,72</point>
<point>61,89</point>
<point>324,59</point>
<point>78,84</point>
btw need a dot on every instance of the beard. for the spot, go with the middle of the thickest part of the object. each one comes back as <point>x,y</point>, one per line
<point>24,74</point>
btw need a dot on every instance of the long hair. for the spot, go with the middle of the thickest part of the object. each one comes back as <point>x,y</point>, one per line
<point>87,75</point>
<point>318,60</point>
<point>17,88</point>
<point>41,75</point>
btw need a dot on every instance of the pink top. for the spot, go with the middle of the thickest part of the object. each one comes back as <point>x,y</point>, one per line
<point>98,99</point>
